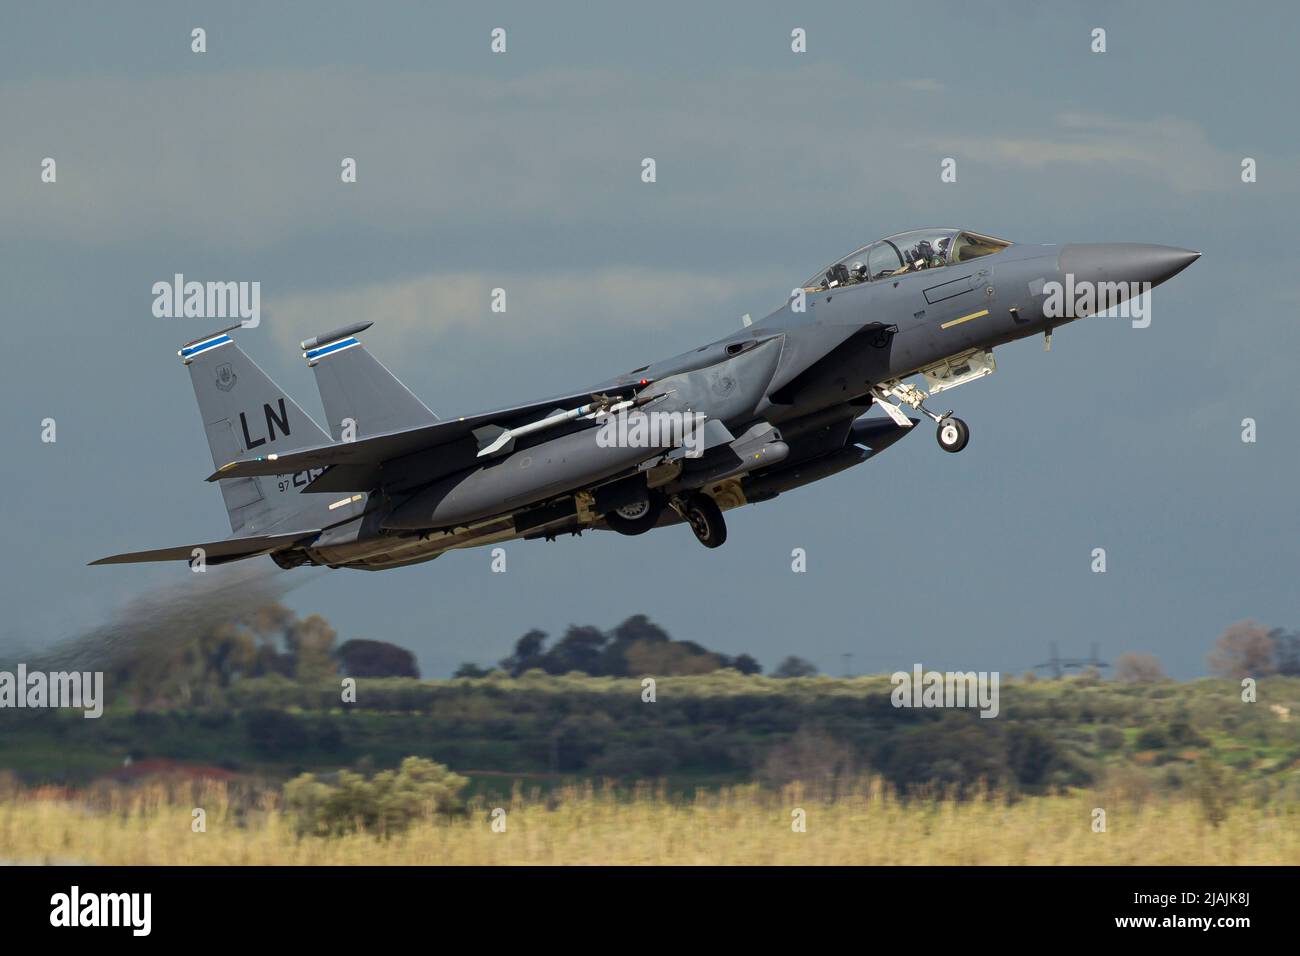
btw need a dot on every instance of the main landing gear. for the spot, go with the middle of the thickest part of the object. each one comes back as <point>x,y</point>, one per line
<point>637,517</point>
<point>953,434</point>
<point>699,510</point>
<point>705,518</point>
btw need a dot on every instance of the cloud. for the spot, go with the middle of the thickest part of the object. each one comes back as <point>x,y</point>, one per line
<point>243,160</point>
<point>923,84</point>
<point>1166,149</point>
<point>537,306</point>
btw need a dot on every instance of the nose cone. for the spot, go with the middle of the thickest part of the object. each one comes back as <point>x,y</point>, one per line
<point>1125,261</point>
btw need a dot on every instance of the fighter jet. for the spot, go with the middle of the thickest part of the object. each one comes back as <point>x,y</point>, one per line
<point>776,405</point>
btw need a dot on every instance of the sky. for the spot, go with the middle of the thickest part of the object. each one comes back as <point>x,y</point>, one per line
<point>522,170</point>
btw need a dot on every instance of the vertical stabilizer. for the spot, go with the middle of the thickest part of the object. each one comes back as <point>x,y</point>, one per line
<point>244,411</point>
<point>355,387</point>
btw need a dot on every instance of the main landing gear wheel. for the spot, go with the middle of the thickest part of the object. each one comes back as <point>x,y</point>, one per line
<point>952,434</point>
<point>705,519</point>
<point>637,517</point>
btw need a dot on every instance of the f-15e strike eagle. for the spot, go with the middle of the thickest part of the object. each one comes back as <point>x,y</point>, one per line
<point>779,404</point>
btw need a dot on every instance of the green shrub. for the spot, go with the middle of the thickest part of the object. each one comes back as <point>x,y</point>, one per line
<point>1109,738</point>
<point>275,733</point>
<point>1153,738</point>
<point>387,803</point>
<point>1215,790</point>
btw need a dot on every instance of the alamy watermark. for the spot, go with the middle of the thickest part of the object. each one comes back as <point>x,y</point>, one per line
<point>1077,299</point>
<point>78,690</point>
<point>946,689</point>
<point>130,910</point>
<point>208,300</point>
<point>654,430</point>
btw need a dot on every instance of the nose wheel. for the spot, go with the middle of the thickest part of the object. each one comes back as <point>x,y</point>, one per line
<point>952,434</point>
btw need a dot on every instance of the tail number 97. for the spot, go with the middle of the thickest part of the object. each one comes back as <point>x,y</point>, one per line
<point>299,479</point>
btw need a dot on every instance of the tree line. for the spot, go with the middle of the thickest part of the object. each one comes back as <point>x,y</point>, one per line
<point>200,667</point>
<point>635,647</point>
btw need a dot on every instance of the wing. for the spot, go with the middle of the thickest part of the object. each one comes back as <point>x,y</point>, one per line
<point>355,465</point>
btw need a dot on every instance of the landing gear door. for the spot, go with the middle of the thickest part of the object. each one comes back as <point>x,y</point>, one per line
<point>959,369</point>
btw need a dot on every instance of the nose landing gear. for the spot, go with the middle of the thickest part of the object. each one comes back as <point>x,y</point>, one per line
<point>953,434</point>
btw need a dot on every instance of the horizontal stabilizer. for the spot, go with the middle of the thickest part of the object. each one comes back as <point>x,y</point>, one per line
<point>216,552</point>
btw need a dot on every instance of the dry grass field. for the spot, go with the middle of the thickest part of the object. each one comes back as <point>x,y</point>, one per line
<point>153,824</point>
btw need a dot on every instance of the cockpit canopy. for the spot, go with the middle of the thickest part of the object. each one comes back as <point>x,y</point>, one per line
<point>904,253</point>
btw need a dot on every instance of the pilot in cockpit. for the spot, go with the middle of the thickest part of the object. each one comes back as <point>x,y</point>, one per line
<point>923,255</point>
<point>926,255</point>
<point>841,275</point>
<point>836,276</point>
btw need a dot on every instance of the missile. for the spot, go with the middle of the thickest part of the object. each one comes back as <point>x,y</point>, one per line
<point>327,337</point>
<point>600,405</point>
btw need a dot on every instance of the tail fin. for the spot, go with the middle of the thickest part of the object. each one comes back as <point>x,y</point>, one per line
<point>355,386</point>
<point>243,410</point>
